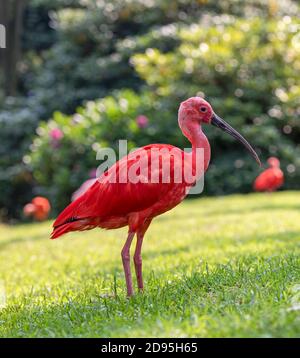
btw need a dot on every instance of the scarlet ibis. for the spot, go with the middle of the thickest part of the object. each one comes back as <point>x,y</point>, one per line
<point>39,208</point>
<point>270,179</point>
<point>111,205</point>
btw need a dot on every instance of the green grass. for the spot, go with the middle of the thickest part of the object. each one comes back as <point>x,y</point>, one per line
<point>213,267</point>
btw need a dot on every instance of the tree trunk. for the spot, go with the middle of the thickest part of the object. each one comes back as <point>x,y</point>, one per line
<point>11,16</point>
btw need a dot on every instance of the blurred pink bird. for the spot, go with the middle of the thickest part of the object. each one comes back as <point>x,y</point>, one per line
<point>39,208</point>
<point>85,186</point>
<point>270,179</point>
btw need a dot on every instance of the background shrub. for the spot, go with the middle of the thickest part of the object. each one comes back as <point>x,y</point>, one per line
<point>249,71</point>
<point>242,56</point>
<point>64,150</point>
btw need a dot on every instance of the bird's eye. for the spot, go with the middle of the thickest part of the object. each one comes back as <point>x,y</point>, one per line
<point>203,109</point>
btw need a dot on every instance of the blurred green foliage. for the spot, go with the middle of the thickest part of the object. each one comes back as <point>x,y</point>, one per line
<point>243,56</point>
<point>249,70</point>
<point>17,124</point>
<point>60,165</point>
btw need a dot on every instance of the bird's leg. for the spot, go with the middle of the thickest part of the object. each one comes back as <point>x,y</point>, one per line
<point>138,256</point>
<point>126,263</point>
<point>138,261</point>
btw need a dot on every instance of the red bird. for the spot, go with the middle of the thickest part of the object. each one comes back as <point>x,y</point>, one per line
<point>39,208</point>
<point>113,204</point>
<point>270,179</point>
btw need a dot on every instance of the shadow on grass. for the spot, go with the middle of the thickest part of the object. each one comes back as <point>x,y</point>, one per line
<point>166,252</point>
<point>115,269</point>
<point>4,244</point>
<point>236,288</point>
<point>255,208</point>
<point>238,211</point>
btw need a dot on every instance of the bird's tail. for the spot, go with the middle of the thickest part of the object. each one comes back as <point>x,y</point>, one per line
<point>64,228</point>
<point>58,231</point>
<point>77,216</point>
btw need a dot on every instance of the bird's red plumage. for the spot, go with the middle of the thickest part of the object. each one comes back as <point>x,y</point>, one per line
<point>269,180</point>
<point>113,205</point>
<point>39,208</point>
<point>148,192</point>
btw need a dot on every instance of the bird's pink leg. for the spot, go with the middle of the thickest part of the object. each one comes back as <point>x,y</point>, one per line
<point>138,256</point>
<point>126,263</point>
<point>138,261</point>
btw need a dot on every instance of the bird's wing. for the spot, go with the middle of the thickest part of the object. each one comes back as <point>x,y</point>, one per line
<point>106,198</point>
<point>83,188</point>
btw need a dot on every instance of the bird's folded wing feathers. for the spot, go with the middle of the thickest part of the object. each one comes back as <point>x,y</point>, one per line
<point>106,198</point>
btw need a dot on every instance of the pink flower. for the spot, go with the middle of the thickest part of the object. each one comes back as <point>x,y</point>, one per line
<point>56,134</point>
<point>142,121</point>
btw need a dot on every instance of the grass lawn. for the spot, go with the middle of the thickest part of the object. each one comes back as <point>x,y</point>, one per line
<point>213,267</point>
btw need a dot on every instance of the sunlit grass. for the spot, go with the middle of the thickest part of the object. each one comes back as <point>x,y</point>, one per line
<point>213,267</point>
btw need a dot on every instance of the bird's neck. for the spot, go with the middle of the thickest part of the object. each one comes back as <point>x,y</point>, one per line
<point>200,141</point>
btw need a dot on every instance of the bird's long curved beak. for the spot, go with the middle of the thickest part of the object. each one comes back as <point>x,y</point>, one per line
<point>220,123</point>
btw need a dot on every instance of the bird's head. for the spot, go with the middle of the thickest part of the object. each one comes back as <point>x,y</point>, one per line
<point>195,111</point>
<point>274,162</point>
<point>29,209</point>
